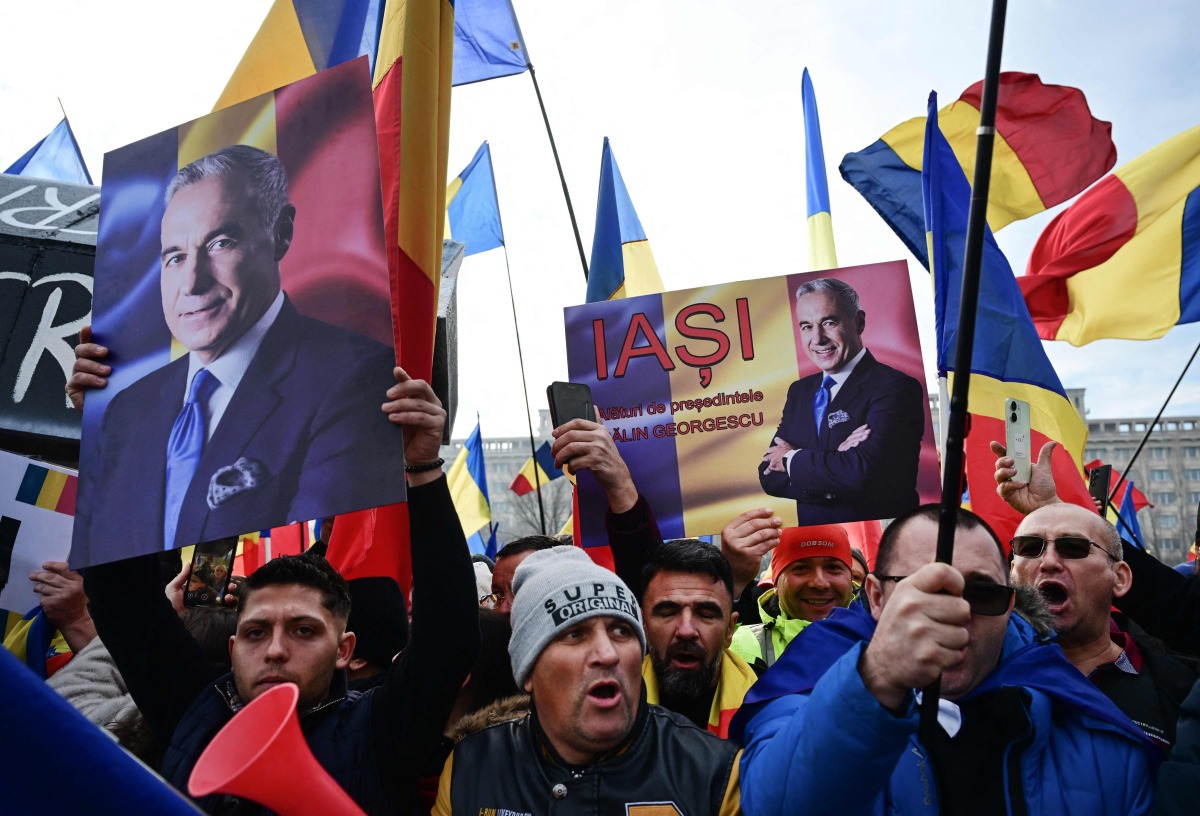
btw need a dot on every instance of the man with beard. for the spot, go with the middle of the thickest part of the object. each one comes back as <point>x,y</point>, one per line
<point>591,744</point>
<point>1073,558</point>
<point>687,606</point>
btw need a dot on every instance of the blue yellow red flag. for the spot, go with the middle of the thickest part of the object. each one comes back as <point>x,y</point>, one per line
<point>1048,148</point>
<point>622,264</point>
<point>56,157</point>
<point>538,469</point>
<point>821,253</point>
<point>1008,360</point>
<point>467,479</point>
<point>487,41</point>
<point>472,211</point>
<point>1124,260</point>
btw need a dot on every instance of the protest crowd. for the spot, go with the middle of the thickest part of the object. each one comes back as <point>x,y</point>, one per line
<point>829,660</point>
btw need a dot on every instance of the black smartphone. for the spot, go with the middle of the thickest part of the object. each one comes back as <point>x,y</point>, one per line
<point>1099,485</point>
<point>569,401</point>
<point>212,564</point>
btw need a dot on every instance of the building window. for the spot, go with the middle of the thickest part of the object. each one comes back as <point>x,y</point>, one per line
<point>1123,427</point>
<point>1094,453</point>
<point>1122,453</point>
<point>1191,452</point>
<point>1158,453</point>
<point>1189,425</point>
<point>1168,521</point>
<point>1162,475</point>
<point>1194,497</point>
<point>1192,474</point>
<point>1162,497</point>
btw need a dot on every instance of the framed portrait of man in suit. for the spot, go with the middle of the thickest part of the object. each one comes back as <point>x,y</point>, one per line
<point>718,402</point>
<point>242,291</point>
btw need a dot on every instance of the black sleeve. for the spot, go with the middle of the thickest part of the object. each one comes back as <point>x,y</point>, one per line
<point>632,537</point>
<point>1179,776</point>
<point>413,704</point>
<point>163,666</point>
<point>746,604</point>
<point>1161,601</point>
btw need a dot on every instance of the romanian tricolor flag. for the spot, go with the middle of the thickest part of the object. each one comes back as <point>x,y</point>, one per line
<point>468,485</point>
<point>472,211</point>
<point>1048,148</point>
<point>538,470</point>
<point>48,489</point>
<point>821,253</point>
<point>1009,360</point>
<point>1118,489</point>
<point>622,264</point>
<point>1124,260</point>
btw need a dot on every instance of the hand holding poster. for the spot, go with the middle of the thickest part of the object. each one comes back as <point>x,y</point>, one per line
<point>242,290</point>
<point>809,388</point>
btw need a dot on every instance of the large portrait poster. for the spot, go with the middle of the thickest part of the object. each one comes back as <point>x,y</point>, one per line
<point>713,396</point>
<point>241,286</point>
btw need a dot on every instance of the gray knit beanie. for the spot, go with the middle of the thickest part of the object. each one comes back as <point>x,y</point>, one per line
<point>555,589</point>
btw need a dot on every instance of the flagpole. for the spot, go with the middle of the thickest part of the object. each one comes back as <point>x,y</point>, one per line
<point>517,331</point>
<point>562,179</point>
<point>952,454</point>
<point>1150,429</point>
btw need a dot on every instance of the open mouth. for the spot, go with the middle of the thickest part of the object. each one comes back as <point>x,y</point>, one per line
<point>605,693</point>
<point>1054,594</point>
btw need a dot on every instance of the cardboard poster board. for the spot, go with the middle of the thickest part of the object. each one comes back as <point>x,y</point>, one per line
<point>693,385</point>
<point>201,262</point>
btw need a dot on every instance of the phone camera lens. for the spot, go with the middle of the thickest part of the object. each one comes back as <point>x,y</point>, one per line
<point>1013,417</point>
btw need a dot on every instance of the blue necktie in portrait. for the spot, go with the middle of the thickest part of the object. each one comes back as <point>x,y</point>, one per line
<point>821,401</point>
<point>183,450</point>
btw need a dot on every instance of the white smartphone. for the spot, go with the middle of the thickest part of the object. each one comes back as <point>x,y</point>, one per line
<point>1016,436</point>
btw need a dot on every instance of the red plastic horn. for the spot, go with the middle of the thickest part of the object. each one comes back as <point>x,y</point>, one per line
<point>278,771</point>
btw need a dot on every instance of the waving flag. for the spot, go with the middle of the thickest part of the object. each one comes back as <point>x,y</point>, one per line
<point>1048,148</point>
<point>472,211</point>
<point>1124,260</point>
<point>821,253</point>
<point>56,157</point>
<point>1009,360</point>
<point>1127,520</point>
<point>468,485</point>
<point>487,41</point>
<point>539,469</point>
<point>622,264</point>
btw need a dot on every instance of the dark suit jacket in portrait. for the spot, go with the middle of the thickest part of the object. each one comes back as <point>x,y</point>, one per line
<point>875,480</point>
<point>302,437</point>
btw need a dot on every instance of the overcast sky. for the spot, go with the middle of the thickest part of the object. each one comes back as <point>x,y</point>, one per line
<point>702,103</point>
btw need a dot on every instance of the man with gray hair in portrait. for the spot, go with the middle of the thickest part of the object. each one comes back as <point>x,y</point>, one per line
<point>849,443</point>
<point>271,416</point>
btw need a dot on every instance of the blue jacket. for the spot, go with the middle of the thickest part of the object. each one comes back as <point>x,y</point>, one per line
<point>818,742</point>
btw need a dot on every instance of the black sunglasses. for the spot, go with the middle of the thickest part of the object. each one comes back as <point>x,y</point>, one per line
<point>984,597</point>
<point>1070,547</point>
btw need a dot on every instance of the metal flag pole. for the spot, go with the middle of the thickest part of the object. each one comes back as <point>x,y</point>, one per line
<point>561,177</point>
<point>517,330</point>
<point>1153,424</point>
<point>952,455</point>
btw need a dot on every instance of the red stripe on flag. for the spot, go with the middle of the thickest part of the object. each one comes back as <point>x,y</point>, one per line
<point>981,481</point>
<point>1051,129</point>
<point>372,543</point>
<point>521,485</point>
<point>1080,237</point>
<point>66,501</point>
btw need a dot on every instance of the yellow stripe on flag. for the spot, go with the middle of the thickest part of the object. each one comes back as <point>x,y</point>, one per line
<point>51,490</point>
<point>1012,196</point>
<point>472,507</point>
<point>821,254</point>
<point>278,55</point>
<point>641,272</point>
<point>251,123</point>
